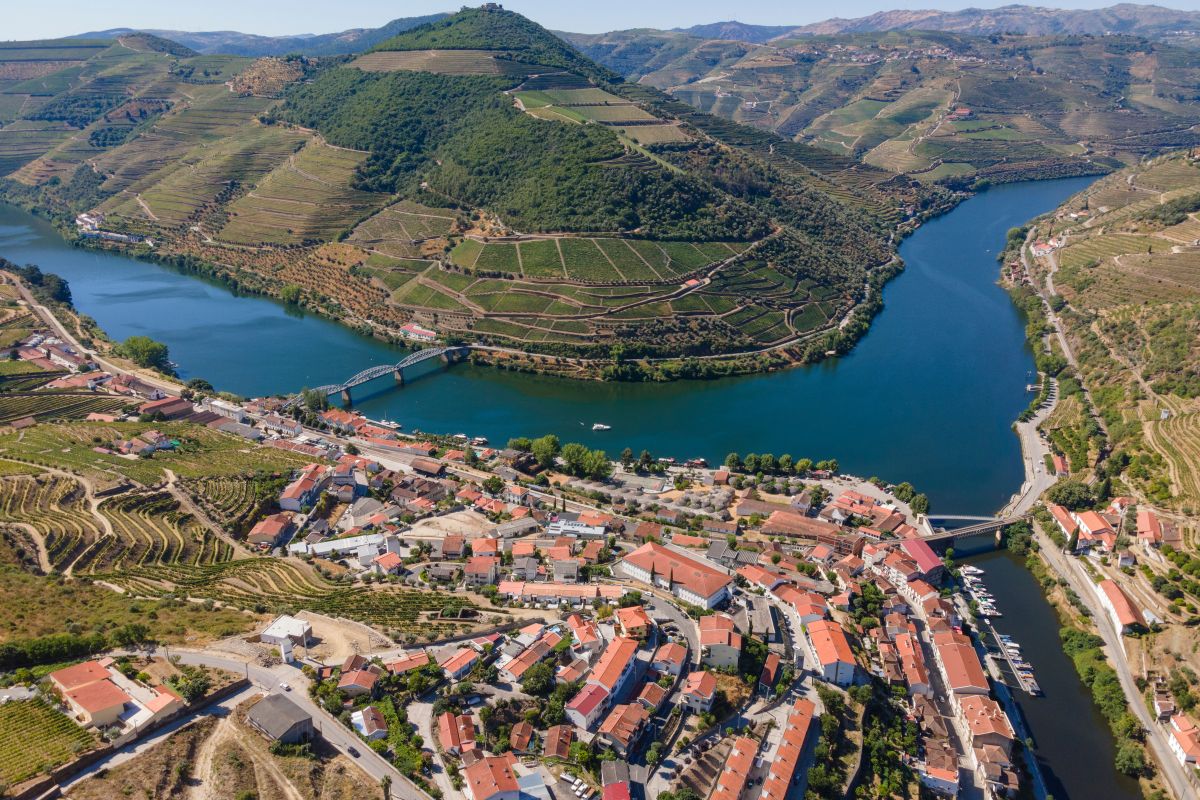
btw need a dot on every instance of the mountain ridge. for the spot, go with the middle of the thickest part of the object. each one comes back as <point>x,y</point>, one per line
<point>237,43</point>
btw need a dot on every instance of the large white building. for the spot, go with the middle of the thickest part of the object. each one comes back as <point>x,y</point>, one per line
<point>690,580</point>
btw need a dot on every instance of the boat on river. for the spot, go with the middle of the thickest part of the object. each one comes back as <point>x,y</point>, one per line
<point>600,426</point>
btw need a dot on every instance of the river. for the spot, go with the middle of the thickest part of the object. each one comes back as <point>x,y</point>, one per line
<point>1073,743</point>
<point>927,396</point>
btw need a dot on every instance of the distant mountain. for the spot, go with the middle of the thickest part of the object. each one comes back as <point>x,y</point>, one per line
<point>354,40</point>
<point>737,31</point>
<point>1127,18</point>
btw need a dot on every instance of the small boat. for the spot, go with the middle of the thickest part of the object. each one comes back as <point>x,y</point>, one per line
<point>462,437</point>
<point>1032,687</point>
<point>600,426</point>
<point>967,569</point>
<point>479,440</point>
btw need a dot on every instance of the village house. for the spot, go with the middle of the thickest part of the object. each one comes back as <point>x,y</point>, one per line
<point>615,665</point>
<point>720,643</point>
<point>585,708</point>
<point>456,733</point>
<point>833,652</point>
<point>1184,740</point>
<point>633,622</point>
<point>623,727</point>
<point>369,723</point>
<point>305,489</point>
<point>280,720</point>
<point>1122,611</point>
<point>699,692</point>
<point>782,769</point>
<point>459,664</point>
<point>269,532</point>
<point>669,659</point>
<point>492,778</point>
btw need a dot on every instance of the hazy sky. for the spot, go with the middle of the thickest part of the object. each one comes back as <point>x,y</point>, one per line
<point>32,19</point>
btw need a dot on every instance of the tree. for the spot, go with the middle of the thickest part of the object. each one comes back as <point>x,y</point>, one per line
<point>493,485</point>
<point>145,352</point>
<point>1130,759</point>
<point>1074,495</point>
<point>627,457</point>
<point>545,450</point>
<point>538,679</point>
<point>766,463</point>
<point>192,683</point>
<point>919,504</point>
<point>750,463</point>
<point>904,492</point>
<point>785,464</point>
<point>645,460</point>
<point>522,443</point>
<point>804,466</point>
<point>733,462</point>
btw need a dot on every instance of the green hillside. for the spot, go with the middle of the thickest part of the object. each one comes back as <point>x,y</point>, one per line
<point>520,38</point>
<point>942,107</point>
<point>476,175</point>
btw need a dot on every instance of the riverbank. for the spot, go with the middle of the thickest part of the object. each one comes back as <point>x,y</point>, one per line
<point>644,360</point>
<point>939,377</point>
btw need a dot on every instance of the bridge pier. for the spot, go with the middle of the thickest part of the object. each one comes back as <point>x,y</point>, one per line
<point>346,397</point>
<point>399,376</point>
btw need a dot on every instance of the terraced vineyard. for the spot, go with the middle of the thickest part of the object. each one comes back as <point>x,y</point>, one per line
<point>153,548</point>
<point>306,199</point>
<point>54,405</point>
<point>273,584</point>
<point>34,726</point>
<point>202,452</point>
<point>444,62</point>
<point>1133,294</point>
<point>236,502</point>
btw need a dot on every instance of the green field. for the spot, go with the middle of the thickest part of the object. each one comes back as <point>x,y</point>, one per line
<point>35,737</point>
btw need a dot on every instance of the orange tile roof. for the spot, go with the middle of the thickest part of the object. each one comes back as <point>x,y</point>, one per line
<point>830,642</point>
<point>98,696</point>
<point>961,663</point>
<point>984,717</point>
<point>738,766</point>
<point>633,617</point>
<point>491,775</point>
<point>1127,613</point>
<point>623,722</point>
<point>778,780</point>
<point>1187,736</point>
<point>701,684</point>
<point>671,653</point>
<point>689,573</point>
<point>613,661</point>
<point>79,675</point>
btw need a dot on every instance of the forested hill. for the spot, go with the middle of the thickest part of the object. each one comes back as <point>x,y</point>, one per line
<point>476,175</point>
<point>519,37</point>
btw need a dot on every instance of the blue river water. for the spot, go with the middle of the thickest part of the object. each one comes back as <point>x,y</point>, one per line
<point>928,395</point>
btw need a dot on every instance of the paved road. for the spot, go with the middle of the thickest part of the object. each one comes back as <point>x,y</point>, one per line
<point>341,737</point>
<point>1156,737</point>
<point>47,317</point>
<point>162,734</point>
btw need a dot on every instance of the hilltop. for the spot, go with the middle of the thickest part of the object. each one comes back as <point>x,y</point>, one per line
<point>474,175</point>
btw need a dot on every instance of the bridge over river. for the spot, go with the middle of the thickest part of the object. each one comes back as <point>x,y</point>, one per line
<point>446,354</point>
